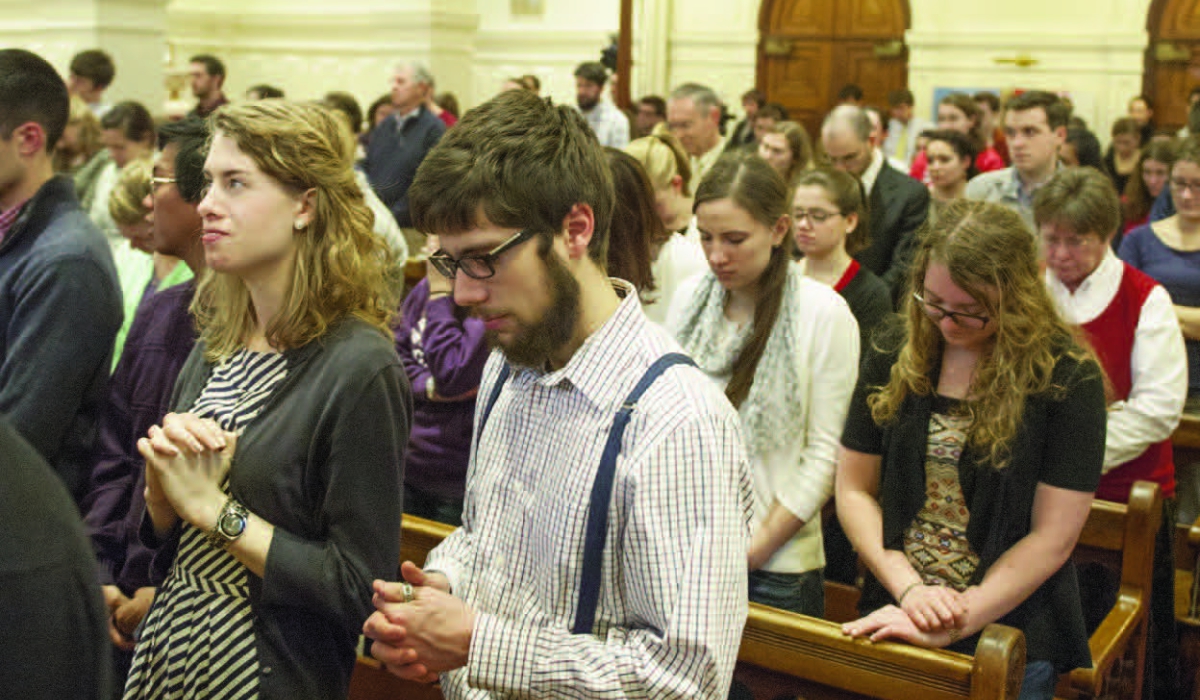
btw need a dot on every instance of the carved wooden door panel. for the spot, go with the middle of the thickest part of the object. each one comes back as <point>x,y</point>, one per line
<point>1172,59</point>
<point>809,49</point>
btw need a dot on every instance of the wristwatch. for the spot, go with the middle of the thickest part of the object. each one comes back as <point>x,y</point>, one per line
<point>231,524</point>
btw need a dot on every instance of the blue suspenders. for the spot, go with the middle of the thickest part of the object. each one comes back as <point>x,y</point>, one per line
<point>597,521</point>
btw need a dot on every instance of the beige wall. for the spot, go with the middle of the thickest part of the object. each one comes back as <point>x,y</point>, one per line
<point>309,48</point>
<point>1090,47</point>
<point>1099,60</point>
<point>549,46</point>
<point>1093,48</point>
<point>132,31</point>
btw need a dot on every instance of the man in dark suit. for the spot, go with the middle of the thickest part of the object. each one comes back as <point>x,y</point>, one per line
<point>898,204</point>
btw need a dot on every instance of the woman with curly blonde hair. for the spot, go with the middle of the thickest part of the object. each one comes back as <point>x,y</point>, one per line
<point>279,480</point>
<point>971,452</point>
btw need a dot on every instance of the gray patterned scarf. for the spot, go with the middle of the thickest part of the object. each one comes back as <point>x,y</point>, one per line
<point>774,406</point>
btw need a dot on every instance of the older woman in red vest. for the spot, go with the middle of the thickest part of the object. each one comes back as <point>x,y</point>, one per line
<point>1130,323</point>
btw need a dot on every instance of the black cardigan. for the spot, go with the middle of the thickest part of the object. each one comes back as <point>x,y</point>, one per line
<point>1060,442</point>
<point>324,463</point>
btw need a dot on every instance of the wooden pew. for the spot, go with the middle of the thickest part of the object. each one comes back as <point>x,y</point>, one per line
<point>777,643</point>
<point>786,653</point>
<point>414,272</point>
<point>783,653</point>
<point>1186,442</point>
<point>1187,434</point>
<point>370,680</point>
<point>791,654</point>
<point>1122,537</point>
<point>1187,607</point>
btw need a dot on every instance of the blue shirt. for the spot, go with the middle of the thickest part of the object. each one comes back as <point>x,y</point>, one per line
<point>1163,207</point>
<point>1177,271</point>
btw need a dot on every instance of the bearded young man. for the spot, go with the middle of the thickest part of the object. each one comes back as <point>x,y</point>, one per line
<point>590,561</point>
<point>608,122</point>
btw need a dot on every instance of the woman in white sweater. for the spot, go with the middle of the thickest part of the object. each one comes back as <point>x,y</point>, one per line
<point>786,349</point>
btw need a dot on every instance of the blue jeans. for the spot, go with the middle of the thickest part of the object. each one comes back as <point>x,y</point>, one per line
<point>1040,679</point>
<point>799,593</point>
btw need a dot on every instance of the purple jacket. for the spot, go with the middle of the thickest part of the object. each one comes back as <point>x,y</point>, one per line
<point>433,342</point>
<point>139,394</point>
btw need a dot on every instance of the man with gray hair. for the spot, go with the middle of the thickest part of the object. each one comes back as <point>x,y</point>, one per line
<point>399,144</point>
<point>898,203</point>
<point>694,117</point>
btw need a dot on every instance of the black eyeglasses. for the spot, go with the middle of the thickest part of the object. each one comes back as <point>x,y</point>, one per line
<point>962,320</point>
<point>814,215</point>
<point>478,267</point>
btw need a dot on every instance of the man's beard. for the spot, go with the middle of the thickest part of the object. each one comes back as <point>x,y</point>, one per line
<point>533,344</point>
<point>586,103</point>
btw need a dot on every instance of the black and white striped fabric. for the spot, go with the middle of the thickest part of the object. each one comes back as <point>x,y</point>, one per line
<point>198,638</point>
<point>240,387</point>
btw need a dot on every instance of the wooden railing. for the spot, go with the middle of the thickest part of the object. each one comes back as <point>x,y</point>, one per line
<point>1121,537</point>
<point>784,653</point>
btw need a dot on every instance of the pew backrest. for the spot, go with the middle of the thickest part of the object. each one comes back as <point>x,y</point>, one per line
<point>1120,536</point>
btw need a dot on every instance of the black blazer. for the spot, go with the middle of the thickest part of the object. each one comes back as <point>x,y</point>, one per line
<point>897,207</point>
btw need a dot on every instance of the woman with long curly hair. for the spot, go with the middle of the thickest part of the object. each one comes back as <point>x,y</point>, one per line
<point>971,452</point>
<point>277,485</point>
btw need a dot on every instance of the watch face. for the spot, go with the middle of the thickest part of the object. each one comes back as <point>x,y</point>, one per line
<point>231,525</point>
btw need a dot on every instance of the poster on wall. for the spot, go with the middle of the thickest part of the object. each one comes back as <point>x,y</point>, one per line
<point>526,8</point>
<point>1083,103</point>
<point>939,93</point>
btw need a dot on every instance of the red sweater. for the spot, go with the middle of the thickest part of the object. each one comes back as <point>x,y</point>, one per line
<point>1111,335</point>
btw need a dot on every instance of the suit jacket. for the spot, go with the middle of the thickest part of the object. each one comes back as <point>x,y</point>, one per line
<point>898,205</point>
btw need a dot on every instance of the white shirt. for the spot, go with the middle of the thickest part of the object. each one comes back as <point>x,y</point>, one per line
<point>914,127</point>
<point>680,258</point>
<point>610,124</point>
<point>674,595</point>
<point>800,475</point>
<point>1159,371</point>
<point>385,222</point>
<point>106,182</point>
<point>702,164</point>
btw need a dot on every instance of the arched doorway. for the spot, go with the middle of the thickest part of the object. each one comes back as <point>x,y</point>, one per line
<point>1172,59</point>
<point>809,49</point>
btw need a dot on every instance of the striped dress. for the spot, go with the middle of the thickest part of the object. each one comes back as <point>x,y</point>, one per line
<point>198,640</point>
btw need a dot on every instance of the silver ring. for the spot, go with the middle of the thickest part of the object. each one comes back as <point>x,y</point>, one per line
<point>406,590</point>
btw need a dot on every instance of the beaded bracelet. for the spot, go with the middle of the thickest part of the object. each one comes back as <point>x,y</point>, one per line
<point>911,586</point>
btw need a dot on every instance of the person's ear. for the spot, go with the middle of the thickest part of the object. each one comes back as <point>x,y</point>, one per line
<point>851,223</point>
<point>677,184</point>
<point>306,205</point>
<point>31,138</point>
<point>579,225</point>
<point>782,227</point>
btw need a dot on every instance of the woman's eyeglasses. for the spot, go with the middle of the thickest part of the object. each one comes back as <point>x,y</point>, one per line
<point>961,319</point>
